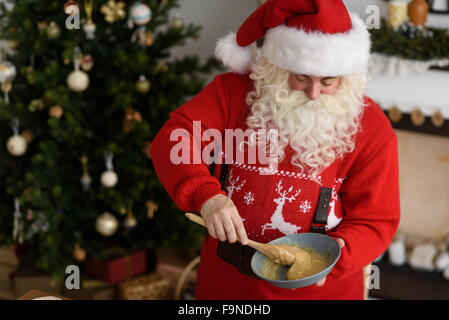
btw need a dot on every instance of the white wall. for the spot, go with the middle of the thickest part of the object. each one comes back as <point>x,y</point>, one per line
<point>217,17</point>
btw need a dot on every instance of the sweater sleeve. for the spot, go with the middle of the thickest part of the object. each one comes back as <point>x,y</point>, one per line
<point>176,150</point>
<point>370,200</point>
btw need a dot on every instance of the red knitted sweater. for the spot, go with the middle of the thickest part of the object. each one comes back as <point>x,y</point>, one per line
<point>364,210</point>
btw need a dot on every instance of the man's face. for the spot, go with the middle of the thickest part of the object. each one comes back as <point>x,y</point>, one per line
<point>314,86</point>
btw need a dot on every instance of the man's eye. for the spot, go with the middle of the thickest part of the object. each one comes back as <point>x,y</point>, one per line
<point>328,82</point>
<point>300,78</point>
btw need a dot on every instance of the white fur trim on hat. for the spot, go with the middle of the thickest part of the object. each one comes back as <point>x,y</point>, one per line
<point>233,56</point>
<point>319,54</point>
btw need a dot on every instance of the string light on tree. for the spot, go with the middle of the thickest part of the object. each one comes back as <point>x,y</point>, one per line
<point>17,144</point>
<point>109,178</point>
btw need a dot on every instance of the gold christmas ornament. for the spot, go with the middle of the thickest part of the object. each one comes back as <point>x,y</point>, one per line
<point>36,104</point>
<point>89,27</point>
<point>152,207</point>
<point>106,224</point>
<point>6,88</point>
<point>86,179</point>
<point>42,25</point>
<point>177,22</point>
<point>30,75</point>
<point>28,135</point>
<point>56,111</point>
<point>132,117</point>
<point>53,31</point>
<point>130,221</point>
<point>149,38</point>
<point>395,114</point>
<point>143,85</point>
<point>13,44</point>
<point>146,149</point>
<point>113,11</point>
<point>437,119</point>
<point>79,254</point>
<point>417,117</point>
<point>161,67</point>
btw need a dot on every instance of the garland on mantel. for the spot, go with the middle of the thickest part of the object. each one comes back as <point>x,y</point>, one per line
<point>410,42</point>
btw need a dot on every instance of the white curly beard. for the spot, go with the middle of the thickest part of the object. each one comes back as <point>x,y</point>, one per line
<point>318,131</point>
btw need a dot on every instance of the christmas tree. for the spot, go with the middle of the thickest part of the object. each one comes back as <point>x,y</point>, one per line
<point>87,86</point>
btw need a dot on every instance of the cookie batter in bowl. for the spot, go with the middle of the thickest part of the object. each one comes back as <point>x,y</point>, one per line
<point>307,263</point>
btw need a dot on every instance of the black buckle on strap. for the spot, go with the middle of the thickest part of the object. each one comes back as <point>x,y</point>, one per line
<point>318,229</point>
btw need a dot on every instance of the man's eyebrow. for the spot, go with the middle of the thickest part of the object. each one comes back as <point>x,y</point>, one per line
<point>328,78</point>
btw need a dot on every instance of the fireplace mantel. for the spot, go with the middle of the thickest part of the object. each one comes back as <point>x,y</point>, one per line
<point>427,91</point>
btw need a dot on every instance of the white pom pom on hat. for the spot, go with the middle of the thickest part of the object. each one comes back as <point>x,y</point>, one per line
<point>237,58</point>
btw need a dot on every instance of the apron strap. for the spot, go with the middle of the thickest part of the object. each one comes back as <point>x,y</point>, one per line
<point>322,209</point>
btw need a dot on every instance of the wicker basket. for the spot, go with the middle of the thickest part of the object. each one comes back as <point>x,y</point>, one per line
<point>148,287</point>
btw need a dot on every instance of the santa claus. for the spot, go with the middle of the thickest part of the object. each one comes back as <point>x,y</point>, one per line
<point>334,146</point>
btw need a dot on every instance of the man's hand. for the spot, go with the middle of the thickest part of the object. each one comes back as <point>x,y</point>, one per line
<point>223,220</point>
<point>341,244</point>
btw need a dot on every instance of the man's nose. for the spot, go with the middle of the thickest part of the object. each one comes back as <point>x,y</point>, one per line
<point>313,91</point>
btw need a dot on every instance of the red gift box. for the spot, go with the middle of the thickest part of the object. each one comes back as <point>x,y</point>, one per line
<point>115,270</point>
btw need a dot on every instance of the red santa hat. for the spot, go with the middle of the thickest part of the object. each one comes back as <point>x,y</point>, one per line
<point>313,37</point>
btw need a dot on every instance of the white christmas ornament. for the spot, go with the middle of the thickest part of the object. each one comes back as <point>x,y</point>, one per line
<point>396,253</point>
<point>442,261</point>
<point>7,71</point>
<point>89,29</point>
<point>17,145</point>
<point>78,81</point>
<point>140,14</point>
<point>109,178</point>
<point>422,257</point>
<point>446,273</point>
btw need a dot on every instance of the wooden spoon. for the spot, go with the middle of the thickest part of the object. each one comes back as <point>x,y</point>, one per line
<point>272,251</point>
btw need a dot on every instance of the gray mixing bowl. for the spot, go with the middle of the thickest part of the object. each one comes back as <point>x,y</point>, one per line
<point>319,242</point>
